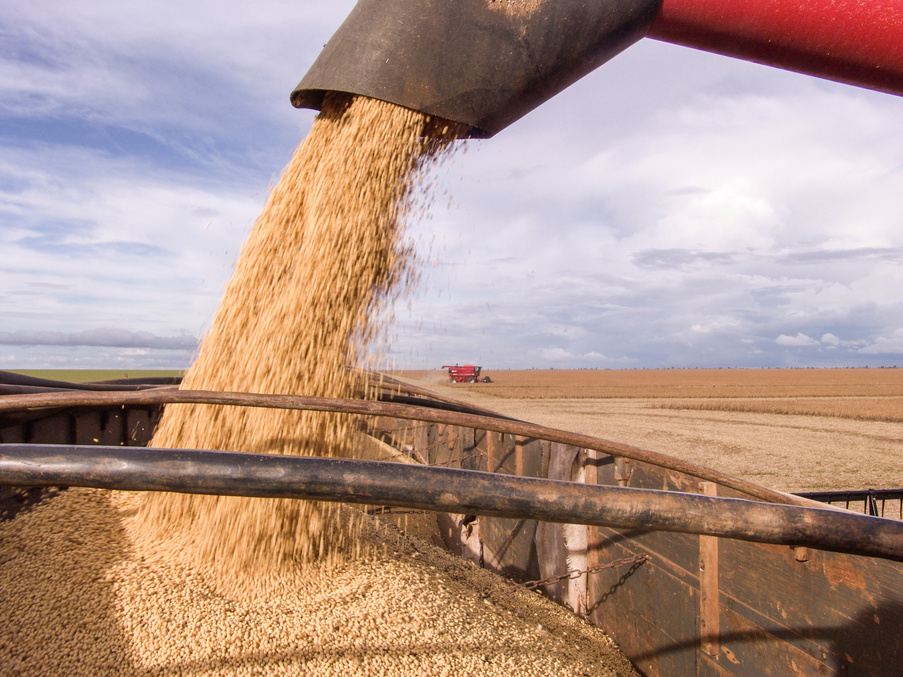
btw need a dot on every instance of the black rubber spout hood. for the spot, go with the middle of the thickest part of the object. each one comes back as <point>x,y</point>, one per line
<point>483,63</point>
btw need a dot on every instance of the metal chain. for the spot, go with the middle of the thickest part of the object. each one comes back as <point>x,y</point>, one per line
<point>614,588</point>
<point>634,563</point>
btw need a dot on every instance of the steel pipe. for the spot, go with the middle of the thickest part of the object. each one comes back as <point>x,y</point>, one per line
<point>57,400</point>
<point>445,490</point>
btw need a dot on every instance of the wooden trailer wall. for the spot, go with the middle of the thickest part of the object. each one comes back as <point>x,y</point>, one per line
<point>676,604</point>
<point>697,605</point>
<point>119,426</point>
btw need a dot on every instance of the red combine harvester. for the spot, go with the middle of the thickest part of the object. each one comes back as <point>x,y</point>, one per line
<point>465,374</point>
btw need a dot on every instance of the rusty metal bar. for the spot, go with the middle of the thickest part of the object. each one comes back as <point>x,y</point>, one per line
<point>408,412</point>
<point>445,490</point>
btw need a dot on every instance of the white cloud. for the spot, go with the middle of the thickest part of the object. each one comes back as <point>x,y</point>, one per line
<point>565,331</point>
<point>716,324</point>
<point>795,341</point>
<point>885,345</point>
<point>102,337</point>
<point>556,355</point>
<point>152,62</point>
<point>101,239</point>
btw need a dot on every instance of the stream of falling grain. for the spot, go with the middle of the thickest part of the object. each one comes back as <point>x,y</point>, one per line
<point>325,253</point>
<point>97,582</point>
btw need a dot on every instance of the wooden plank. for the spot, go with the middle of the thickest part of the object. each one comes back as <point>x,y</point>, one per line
<point>551,544</point>
<point>535,453</point>
<point>461,533</point>
<point>576,542</point>
<point>646,476</point>
<point>509,547</point>
<point>56,429</point>
<point>114,428</point>
<point>504,454</point>
<point>471,455</point>
<point>623,471</point>
<point>140,425</point>
<point>833,607</point>
<point>711,607</point>
<point>14,434</point>
<point>477,457</point>
<point>421,435</point>
<point>448,446</point>
<point>709,595</point>
<point>680,549</point>
<point>710,667</point>
<point>88,427</point>
<point>519,443</point>
<point>651,614</point>
<point>600,469</point>
<point>675,552</point>
<point>749,651</point>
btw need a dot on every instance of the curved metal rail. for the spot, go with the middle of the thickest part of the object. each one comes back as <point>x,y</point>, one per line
<point>403,411</point>
<point>446,490</point>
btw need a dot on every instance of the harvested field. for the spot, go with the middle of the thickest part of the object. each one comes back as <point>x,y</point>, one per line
<point>85,375</point>
<point>710,417</point>
<point>687,383</point>
<point>869,408</point>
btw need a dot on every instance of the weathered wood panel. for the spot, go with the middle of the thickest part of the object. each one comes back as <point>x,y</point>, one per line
<point>116,426</point>
<point>140,425</point>
<point>702,606</point>
<point>562,548</point>
<point>103,427</point>
<point>656,596</point>
<point>510,546</point>
<point>14,434</point>
<point>842,610</point>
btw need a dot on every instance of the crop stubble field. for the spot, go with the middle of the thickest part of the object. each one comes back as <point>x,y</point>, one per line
<point>790,429</point>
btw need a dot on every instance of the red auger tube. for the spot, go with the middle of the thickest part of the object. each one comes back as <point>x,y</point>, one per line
<point>858,42</point>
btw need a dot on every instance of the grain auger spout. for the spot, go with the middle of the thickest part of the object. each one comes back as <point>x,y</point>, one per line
<point>487,63</point>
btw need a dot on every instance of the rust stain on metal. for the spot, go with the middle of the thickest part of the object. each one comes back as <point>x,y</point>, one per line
<point>623,471</point>
<point>843,571</point>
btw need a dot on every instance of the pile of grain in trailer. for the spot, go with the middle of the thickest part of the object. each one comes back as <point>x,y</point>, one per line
<point>517,8</point>
<point>77,598</point>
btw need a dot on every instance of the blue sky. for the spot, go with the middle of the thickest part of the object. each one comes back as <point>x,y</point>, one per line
<point>672,209</point>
